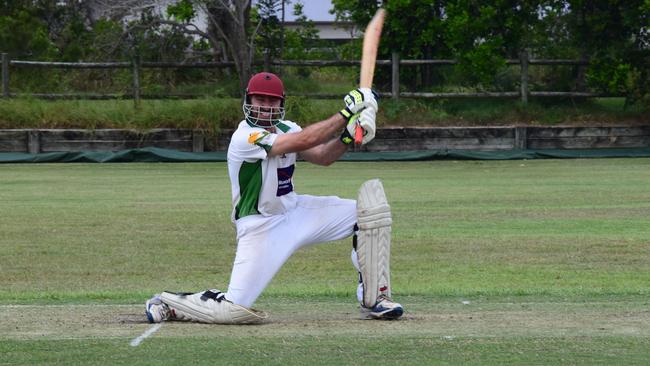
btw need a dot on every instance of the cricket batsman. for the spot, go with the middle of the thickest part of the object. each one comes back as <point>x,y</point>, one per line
<point>272,221</point>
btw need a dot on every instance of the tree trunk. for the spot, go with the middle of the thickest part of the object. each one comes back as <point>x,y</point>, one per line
<point>230,19</point>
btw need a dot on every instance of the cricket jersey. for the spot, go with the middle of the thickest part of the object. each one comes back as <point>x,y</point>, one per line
<point>261,185</point>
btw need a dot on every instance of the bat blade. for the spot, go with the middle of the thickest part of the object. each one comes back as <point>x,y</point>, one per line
<point>371,39</point>
<point>370,44</point>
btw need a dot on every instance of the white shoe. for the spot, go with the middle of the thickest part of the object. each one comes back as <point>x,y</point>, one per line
<point>384,309</point>
<point>156,310</point>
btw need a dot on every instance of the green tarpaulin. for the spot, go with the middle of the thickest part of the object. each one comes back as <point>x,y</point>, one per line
<point>153,154</point>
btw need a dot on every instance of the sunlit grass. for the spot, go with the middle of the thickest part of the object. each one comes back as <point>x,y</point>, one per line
<point>542,227</point>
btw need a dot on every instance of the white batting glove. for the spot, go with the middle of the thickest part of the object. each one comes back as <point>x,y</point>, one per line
<point>367,120</point>
<point>358,100</point>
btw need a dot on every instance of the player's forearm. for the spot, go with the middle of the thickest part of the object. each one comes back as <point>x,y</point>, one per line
<point>327,153</point>
<point>321,132</point>
<point>310,137</point>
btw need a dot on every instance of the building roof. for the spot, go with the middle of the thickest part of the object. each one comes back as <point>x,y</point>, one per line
<point>331,30</point>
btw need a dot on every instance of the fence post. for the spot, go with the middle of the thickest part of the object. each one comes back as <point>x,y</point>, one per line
<point>395,76</point>
<point>5,75</point>
<point>136,81</point>
<point>33,141</point>
<point>521,138</point>
<point>523,57</point>
<point>198,144</point>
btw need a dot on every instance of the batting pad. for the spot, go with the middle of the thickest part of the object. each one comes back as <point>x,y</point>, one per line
<point>211,307</point>
<point>373,241</point>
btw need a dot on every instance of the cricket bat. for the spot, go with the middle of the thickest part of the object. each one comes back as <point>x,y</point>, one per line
<point>369,56</point>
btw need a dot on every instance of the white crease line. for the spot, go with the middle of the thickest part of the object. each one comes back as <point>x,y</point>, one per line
<point>136,342</point>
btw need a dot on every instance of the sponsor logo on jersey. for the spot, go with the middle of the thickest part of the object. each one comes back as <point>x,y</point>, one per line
<point>257,136</point>
<point>285,184</point>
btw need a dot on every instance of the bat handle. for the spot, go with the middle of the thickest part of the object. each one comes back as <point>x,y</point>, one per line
<point>358,134</point>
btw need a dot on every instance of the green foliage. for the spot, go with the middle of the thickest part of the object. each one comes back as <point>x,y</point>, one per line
<point>182,11</point>
<point>299,41</point>
<point>609,74</point>
<point>479,63</point>
<point>106,42</point>
<point>153,41</point>
<point>214,112</point>
<point>74,40</point>
<point>281,42</point>
<point>270,33</point>
<point>481,35</point>
<point>209,114</point>
<point>24,35</point>
<point>611,34</point>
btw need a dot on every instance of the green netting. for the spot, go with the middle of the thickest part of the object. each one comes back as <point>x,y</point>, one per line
<point>153,154</point>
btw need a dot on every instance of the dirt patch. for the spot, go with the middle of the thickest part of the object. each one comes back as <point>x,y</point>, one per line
<point>337,318</point>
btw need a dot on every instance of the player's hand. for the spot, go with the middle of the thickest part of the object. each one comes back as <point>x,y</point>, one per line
<point>347,137</point>
<point>358,100</point>
<point>366,120</point>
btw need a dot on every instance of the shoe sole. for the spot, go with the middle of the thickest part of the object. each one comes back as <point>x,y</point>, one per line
<point>149,317</point>
<point>391,314</point>
<point>388,314</point>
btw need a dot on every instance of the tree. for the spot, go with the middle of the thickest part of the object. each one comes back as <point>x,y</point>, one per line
<point>228,32</point>
<point>614,36</point>
<point>228,24</point>
<point>289,44</point>
<point>482,35</point>
<point>270,36</point>
<point>23,33</point>
<point>478,34</point>
<point>412,28</point>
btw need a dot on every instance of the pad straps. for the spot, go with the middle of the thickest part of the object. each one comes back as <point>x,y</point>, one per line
<point>215,295</point>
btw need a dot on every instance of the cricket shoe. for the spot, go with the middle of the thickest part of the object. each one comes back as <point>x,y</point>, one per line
<point>384,309</point>
<point>156,310</point>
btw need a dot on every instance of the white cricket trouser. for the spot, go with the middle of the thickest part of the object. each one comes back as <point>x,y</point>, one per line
<point>265,243</point>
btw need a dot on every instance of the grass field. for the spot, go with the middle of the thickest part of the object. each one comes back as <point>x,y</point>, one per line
<point>500,262</point>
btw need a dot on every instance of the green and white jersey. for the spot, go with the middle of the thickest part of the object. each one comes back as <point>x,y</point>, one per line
<point>260,184</point>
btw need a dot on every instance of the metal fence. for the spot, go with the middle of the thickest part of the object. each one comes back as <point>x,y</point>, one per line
<point>395,62</point>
